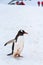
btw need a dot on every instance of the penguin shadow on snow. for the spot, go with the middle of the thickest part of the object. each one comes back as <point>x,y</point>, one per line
<point>18,58</point>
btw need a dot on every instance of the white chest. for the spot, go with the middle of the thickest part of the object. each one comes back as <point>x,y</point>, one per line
<point>19,45</point>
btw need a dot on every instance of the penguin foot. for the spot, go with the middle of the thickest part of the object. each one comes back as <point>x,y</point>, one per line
<point>17,55</point>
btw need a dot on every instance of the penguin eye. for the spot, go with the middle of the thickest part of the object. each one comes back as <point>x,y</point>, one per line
<point>22,31</point>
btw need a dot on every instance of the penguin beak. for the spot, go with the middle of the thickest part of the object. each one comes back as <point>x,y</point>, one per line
<point>25,33</point>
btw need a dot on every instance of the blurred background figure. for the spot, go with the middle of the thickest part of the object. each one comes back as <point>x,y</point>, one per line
<point>11,2</point>
<point>38,3</point>
<point>18,2</point>
<point>42,3</point>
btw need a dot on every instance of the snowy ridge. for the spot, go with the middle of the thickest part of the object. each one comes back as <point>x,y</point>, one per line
<point>13,18</point>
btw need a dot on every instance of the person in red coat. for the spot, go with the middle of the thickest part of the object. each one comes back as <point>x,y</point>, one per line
<point>42,3</point>
<point>20,3</point>
<point>38,3</point>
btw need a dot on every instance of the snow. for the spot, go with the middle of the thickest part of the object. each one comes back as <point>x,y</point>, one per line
<point>13,18</point>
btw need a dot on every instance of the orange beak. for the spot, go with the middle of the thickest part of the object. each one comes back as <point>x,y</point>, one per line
<point>25,33</point>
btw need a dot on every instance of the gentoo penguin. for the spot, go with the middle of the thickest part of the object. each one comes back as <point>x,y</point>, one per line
<point>18,43</point>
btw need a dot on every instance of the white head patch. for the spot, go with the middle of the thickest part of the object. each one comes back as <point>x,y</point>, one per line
<point>21,30</point>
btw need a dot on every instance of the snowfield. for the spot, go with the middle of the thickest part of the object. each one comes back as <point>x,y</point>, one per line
<point>14,18</point>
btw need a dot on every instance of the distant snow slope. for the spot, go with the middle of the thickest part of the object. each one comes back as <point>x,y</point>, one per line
<point>13,18</point>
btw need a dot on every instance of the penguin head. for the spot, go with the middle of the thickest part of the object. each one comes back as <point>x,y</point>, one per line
<point>21,32</point>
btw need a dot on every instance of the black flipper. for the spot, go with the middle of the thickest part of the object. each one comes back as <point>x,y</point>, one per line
<point>12,50</point>
<point>5,44</point>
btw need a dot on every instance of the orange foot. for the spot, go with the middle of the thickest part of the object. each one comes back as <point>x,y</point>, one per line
<point>17,55</point>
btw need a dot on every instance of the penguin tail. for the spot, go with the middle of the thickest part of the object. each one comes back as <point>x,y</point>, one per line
<point>12,50</point>
<point>9,54</point>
